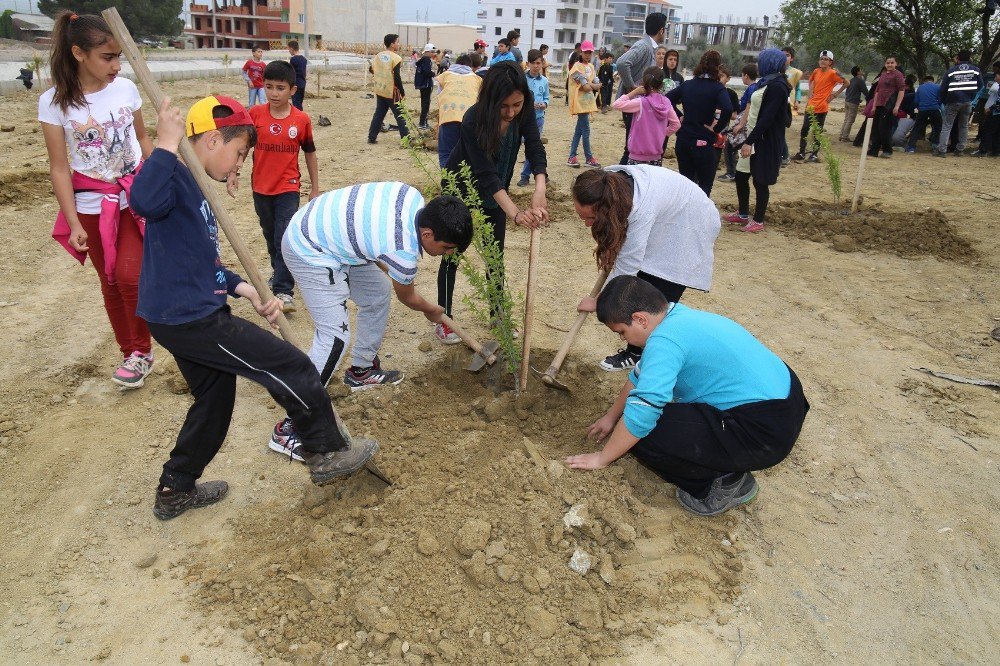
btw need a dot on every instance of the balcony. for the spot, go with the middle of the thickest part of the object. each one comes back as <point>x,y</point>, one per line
<point>278,27</point>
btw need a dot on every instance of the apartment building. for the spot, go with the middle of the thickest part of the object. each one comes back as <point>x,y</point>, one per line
<point>626,22</point>
<point>558,23</point>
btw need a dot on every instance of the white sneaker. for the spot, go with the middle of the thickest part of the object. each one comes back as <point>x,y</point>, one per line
<point>446,335</point>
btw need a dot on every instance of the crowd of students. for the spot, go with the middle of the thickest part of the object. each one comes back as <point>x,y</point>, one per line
<point>134,208</point>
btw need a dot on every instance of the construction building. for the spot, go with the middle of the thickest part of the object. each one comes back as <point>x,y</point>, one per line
<point>626,22</point>
<point>248,23</point>
<point>558,23</point>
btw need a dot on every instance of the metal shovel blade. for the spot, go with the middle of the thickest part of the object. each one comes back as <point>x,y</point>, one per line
<point>550,380</point>
<point>375,471</point>
<point>480,358</point>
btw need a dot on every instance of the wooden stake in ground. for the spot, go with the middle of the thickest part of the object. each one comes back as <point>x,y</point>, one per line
<point>529,303</point>
<point>861,165</point>
<point>206,184</point>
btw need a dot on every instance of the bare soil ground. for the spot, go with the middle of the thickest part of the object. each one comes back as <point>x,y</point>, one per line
<point>871,543</point>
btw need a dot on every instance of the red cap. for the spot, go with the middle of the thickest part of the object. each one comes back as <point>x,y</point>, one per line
<point>480,42</point>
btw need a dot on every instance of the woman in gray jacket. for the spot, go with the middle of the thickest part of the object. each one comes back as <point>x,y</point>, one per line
<point>649,222</point>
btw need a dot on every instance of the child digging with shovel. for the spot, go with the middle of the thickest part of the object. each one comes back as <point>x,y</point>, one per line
<point>705,405</point>
<point>182,295</point>
<point>337,248</point>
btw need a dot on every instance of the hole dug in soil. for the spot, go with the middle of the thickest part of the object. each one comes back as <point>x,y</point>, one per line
<point>466,557</point>
<point>903,233</point>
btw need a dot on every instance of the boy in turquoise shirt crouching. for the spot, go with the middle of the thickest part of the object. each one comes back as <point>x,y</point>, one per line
<point>706,404</point>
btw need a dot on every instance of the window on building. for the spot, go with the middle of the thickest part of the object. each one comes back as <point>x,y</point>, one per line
<point>540,13</point>
<point>517,13</point>
<point>497,31</point>
<point>539,34</point>
<point>302,18</point>
<point>499,13</point>
<point>586,4</point>
<point>584,23</point>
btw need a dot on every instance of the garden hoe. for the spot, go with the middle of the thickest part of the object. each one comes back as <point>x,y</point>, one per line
<point>484,354</point>
<point>549,376</point>
<point>207,186</point>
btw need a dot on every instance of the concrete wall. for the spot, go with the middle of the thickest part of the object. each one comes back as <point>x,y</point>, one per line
<point>339,21</point>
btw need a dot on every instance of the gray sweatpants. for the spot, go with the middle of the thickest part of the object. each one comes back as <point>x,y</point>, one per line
<point>956,118</point>
<point>325,292</point>
<point>850,114</point>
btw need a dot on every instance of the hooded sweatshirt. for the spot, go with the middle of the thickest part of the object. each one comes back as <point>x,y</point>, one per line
<point>654,120</point>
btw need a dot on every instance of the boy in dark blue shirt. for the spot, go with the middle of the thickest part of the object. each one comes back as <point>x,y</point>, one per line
<point>182,295</point>
<point>706,403</point>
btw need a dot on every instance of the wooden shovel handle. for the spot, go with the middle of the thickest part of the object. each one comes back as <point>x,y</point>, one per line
<point>557,362</point>
<point>529,304</point>
<point>470,341</point>
<point>207,185</point>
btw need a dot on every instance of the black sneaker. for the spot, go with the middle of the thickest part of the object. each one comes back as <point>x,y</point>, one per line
<point>327,467</point>
<point>798,157</point>
<point>523,182</point>
<point>812,158</point>
<point>726,178</point>
<point>623,360</point>
<point>724,494</point>
<point>360,379</point>
<point>172,503</point>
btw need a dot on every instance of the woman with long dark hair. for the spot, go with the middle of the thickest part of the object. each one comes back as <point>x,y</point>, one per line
<point>491,134</point>
<point>649,222</point>
<point>707,108</point>
<point>760,155</point>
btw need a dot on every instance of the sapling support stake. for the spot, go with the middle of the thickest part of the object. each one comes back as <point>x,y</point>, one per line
<point>861,165</point>
<point>207,186</point>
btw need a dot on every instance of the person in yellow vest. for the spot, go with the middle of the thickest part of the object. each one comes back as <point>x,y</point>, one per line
<point>458,88</point>
<point>388,88</point>
<point>583,84</point>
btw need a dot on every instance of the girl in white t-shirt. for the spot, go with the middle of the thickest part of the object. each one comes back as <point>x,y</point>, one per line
<point>93,114</point>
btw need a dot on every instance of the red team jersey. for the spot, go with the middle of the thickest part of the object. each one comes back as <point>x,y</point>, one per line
<point>276,155</point>
<point>255,71</point>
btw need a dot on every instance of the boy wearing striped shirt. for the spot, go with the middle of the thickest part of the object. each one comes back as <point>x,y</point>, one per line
<point>343,245</point>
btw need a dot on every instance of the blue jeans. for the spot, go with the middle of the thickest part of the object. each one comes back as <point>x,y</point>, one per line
<point>256,97</point>
<point>448,135</point>
<point>582,131</point>
<point>274,212</point>
<point>526,171</point>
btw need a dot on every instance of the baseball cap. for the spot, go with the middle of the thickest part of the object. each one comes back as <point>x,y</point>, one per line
<point>826,54</point>
<point>480,42</point>
<point>199,116</point>
<point>587,46</point>
<point>429,47</point>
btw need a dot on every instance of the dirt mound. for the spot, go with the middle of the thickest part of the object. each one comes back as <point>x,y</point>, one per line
<point>479,552</point>
<point>904,233</point>
<point>22,186</point>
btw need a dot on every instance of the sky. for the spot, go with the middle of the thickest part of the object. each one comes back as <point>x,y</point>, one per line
<point>464,11</point>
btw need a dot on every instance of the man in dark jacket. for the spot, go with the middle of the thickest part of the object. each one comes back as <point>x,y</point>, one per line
<point>634,62</point>
<point>960,85</point>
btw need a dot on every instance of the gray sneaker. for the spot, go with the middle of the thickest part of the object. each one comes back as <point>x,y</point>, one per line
<point>722,496</point>
<point>325,468</point>
<point>287,303</point>
<point>172,503</point>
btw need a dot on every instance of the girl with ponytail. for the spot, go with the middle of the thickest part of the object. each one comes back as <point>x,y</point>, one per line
<point>96,140</point>
<point>649,222</point>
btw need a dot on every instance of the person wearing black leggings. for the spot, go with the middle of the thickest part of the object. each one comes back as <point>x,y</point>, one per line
<point>488,144</point>
<point>707,108</point>
<point>649,222</point>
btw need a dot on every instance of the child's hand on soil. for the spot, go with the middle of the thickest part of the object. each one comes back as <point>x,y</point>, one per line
<point>601,428</point>
<point>169,126</point>
<point>586,461</point>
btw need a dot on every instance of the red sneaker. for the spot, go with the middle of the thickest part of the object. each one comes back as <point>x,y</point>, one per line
<point>752,227</point>
<point>736,218</point>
